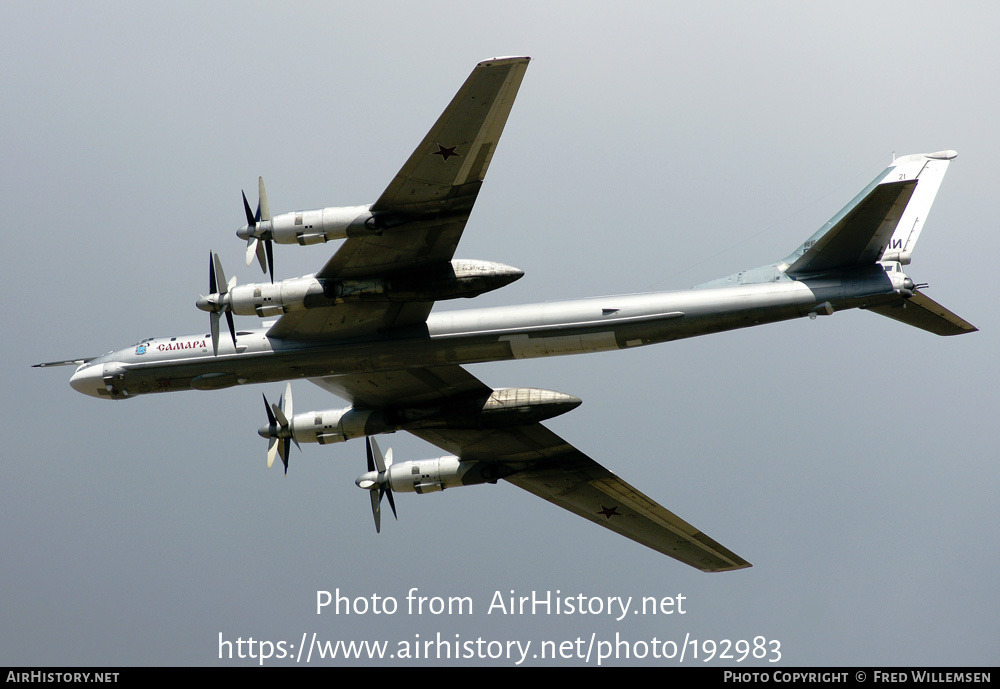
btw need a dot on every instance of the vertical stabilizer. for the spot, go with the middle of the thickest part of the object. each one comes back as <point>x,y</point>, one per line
<point>928,169</point>
<point>882,223</point>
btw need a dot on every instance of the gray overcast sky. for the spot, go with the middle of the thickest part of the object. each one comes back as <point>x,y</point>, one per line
<point>652,146</point>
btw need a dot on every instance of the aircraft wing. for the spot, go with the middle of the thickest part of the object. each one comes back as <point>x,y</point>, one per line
<point>423,211</point>
<point>539,461</point>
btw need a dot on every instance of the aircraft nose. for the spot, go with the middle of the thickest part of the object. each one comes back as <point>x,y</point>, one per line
<point>89,380</point>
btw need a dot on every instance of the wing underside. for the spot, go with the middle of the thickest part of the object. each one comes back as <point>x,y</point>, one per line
<point>534,458</point>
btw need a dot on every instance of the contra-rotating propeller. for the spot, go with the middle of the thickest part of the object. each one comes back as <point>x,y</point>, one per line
<point>258,231</point>
<point>279,428</point>
<point>376,481</point>
<point>218,300</point>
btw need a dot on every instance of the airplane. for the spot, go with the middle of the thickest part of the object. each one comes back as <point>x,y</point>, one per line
<point>362,326</point>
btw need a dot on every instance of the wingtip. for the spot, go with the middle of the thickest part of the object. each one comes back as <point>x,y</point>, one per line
<point>733,568</point>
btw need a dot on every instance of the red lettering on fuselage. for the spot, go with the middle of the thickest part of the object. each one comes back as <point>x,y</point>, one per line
<point>190,344</point>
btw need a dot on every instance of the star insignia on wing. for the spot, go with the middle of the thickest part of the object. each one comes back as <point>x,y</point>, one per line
<point>609,512</point>
<point>446,153</point>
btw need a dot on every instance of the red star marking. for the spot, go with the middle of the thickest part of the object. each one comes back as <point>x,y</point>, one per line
<point>446,153</point>
<point>609,512</point>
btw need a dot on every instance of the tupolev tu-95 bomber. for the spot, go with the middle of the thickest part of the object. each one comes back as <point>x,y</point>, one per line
<point>362,327</point>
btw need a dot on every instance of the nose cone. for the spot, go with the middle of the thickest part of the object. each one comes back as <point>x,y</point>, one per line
<point>90,381</point>
<point>243,232</point>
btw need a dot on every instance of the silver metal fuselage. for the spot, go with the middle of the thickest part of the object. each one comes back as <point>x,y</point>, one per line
<point>486,334</point>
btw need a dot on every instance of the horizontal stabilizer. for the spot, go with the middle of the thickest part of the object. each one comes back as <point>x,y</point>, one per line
<point>922,312</point>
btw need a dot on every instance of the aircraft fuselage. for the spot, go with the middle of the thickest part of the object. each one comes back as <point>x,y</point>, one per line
<point>486,334</point>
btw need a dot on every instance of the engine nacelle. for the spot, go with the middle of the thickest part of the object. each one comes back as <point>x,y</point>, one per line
<point>501,408</point>
<point>335,425</point>
<point>433,475</point>
<point>266,299</point>
<point>459,278</point>
<point>429,475</point>
<point>321,225</point>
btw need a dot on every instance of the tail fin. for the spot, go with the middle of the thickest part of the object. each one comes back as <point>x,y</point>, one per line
<point>882,223</point>
<point>928,169</point>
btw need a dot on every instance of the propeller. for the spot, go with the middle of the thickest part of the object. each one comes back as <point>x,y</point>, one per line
<point>218,300</point>
<point>376,481</point>
<point>258,231</point>
<point>279,428</point>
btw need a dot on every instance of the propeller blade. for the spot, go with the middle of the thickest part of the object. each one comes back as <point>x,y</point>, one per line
<point>388,494</point>
<point>222,287</point>
<point>232,327</point>
<point>376,511</point>
<point>280,415</point>
<point>272,450</point>
<point>270,258</point>
<point>212,287</point>
<point>261,256</point>
<point>263,211</point>
<point>286,409</point>
<point>214,320</point>
<point>276,446</point>
<point>377,453</point>
<point>252,244</point>
<point>251,221</point>
<point>270,416</point>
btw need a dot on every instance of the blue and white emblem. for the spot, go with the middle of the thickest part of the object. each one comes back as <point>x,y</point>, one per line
<point>141,349</point>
